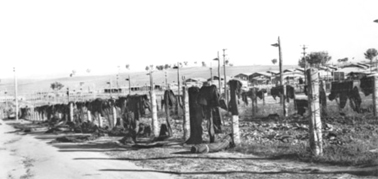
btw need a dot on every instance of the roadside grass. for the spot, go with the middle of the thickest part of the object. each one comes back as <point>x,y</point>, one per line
<point>356,134</point>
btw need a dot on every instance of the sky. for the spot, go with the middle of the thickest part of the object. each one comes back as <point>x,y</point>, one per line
<point>45,39</point>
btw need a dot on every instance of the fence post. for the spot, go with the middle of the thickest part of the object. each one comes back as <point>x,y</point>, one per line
<point>284,105</point>
<point>99,120</point>
<point>114,117</point>
<point>89,116</point>
<point>315,127</point>
<point>167,112</point>
<point>186,122</point>
<point>253,101</point>
<point>263,98</point>
<point>375,96</point>
<point>235,113</point>
<point>71,111</point>
<point>155,122</point>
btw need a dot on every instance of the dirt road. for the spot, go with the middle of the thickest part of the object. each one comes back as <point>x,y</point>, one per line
<point>29,156</point>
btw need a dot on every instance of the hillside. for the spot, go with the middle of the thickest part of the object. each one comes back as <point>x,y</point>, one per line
<point>28,86</point>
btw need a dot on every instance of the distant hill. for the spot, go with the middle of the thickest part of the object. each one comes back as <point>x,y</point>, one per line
<point>28,86</point>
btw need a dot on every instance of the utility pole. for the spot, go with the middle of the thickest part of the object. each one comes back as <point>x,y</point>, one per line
<point>110,87</point>
<point>129,85</point>
<point>151,82</point>
<point>15,92</point>
<point>281,78</point>
<point>278,44</point>
<point>118,90</point>
<point>117,78</point>
<point>178,78</point>
<point>219,81</point>
<point>211,74</point>
<point>166,79</point>
<point>225,78</point>
<point>304,59</point>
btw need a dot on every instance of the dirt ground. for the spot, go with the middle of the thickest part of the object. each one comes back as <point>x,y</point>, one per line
<point>28,156</point>
<point>32,155</point>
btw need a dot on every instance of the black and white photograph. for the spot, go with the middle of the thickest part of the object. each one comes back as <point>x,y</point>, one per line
<point>170,89</point>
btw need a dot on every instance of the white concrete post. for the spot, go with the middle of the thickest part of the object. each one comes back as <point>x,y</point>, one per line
<point>71,112</point>
<point>89,115</point>
<point>155,122</point>
<point>235,129</point>
<point>315,127</point>
<point>186,122</point>
<point>375,96</point>
<point>114,116</point>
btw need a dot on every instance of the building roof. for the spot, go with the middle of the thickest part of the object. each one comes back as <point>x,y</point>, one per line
<point>259,74</point>
<point>195,79</point>
<point>274,72</point>
<point>246,74</point>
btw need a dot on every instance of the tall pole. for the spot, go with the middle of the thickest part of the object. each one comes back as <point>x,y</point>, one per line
<point>219,81</point>
<point>305,67</point>
<point>281,77</point>
<point>154,119</point>
<point>211,75</point>
<point>178,78</point>
<point>166,79</point>
<point>280,61</point>
<point>129,85</point>
<point>225,78</point>
<point>117,78</point>
<point>151,81</point>
<point>110,88</point>
<point>15,92</point>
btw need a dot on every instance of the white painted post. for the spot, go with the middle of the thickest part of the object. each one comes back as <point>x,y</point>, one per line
<point>186,122</point>
<point>71,112</point>
<point>99,120</point>
<point>315,127</point>
<point>114,116</point>
<point>285,106</point>
<point>89,116</point>
<point>235,129</point>
<point>375,96</point>
<point>253,101</point>
<point>155,122</point>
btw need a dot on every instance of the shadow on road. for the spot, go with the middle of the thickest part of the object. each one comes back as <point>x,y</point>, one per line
<point>173,157</point>
<point>367,172</point>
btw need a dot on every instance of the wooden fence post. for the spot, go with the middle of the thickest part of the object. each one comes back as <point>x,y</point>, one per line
<point>263,98</point>
<point>167,113</point>
<point>234,112</point>
<point>253,102</point>
<point>155,122</point>
<point>32,116</point>
<point>186,122</point>
<point>315,127</point>
<point>71,112</point>
<point>375,96</point>
<point>284,105</point>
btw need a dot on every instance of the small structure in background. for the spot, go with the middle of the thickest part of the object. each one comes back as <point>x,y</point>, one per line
<point>194,82</point>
